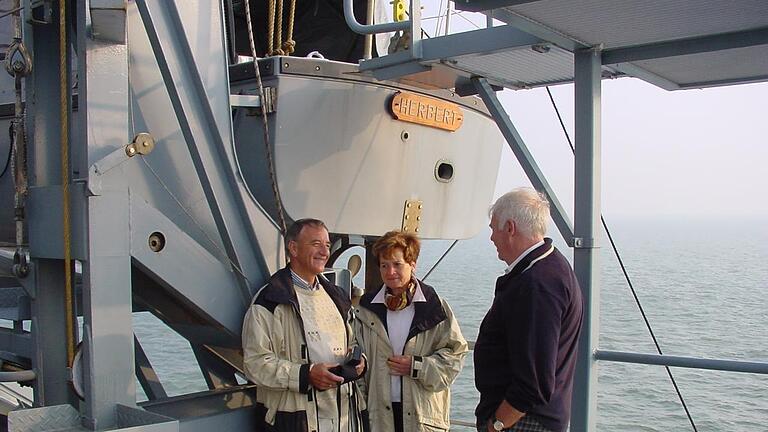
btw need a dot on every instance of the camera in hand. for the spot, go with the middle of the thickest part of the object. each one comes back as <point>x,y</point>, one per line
<point>347,370</point>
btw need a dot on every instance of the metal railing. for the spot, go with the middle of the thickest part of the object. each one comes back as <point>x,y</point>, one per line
<point>661,360</point>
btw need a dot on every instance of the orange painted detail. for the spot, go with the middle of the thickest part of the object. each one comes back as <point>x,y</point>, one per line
<point>427,111</point>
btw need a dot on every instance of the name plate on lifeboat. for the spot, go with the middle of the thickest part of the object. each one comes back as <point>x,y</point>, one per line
<point>427,111</point>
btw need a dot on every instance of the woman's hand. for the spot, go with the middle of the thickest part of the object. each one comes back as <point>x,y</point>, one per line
<point>399,365</point>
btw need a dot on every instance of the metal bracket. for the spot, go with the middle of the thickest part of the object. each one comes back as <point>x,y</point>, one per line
<point>252,102</point>
<point>584,243</point>
<point>412,216</point>
<point>29,282</point>
<point>142,144</point>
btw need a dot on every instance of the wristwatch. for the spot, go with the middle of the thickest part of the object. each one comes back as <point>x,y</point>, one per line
<point>497,425</point>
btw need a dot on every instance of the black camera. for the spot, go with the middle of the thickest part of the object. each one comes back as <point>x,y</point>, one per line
<point>347,370</point>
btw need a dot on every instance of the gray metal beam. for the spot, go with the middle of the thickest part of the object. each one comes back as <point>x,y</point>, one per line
<point>145,373</point>
<point>684,362</point>
<point>108,353</point>
<point>724,82</point>
<point>217,373</point>
<point>45,282</point>
<point>208,404</point>
<point>695,45</point>
<point>524,157</point>
<point>205,139</point>
<point>587,229</point>
<point>638,72</point>
<point>186,269</point>
<point>108,365</point>
<point>48,334</point>
<point>17,342</point>
<point>488,5</point>
<point>481,41</point>
<point>538,30</point>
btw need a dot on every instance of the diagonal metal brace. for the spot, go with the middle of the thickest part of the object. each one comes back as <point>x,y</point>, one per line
<point>524,157</point>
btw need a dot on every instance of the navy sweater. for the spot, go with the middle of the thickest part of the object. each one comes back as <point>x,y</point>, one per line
<point>526,349</point>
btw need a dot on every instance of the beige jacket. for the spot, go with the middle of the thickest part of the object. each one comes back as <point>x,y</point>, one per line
<point>438,348</point>
<point>275,358</point>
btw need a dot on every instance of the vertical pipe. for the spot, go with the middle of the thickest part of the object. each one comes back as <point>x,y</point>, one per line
<point>586,230</point>
<point>415,19</point>
<point>368,47</point>
<point>448,18</point>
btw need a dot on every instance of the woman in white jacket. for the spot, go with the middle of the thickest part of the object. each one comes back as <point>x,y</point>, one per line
<point>413,343</point>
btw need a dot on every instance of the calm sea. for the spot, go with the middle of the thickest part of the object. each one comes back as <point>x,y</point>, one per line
<point>704,287</point>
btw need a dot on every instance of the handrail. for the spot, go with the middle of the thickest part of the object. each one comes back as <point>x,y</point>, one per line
<point>686,362</point>
<point>17,376</point>
<point>349,16</point>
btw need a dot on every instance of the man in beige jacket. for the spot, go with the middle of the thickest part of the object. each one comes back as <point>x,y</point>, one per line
<point>296,330</point>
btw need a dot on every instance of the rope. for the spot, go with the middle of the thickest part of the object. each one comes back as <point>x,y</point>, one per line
<point>268,148</point>
<point>278,29</point>
<point>64,113</point>
<point>627,278</point>
<point>270,27</point>
<point>289,45</point>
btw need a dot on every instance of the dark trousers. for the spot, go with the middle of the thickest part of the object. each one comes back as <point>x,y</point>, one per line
<point>397,412</point>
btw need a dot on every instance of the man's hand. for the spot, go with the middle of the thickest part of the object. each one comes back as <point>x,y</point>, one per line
<point>399,365</point>
<point>507,414</point>
<point>321,378</point>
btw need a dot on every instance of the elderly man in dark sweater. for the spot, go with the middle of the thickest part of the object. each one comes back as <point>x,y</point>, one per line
<point>525,353</point>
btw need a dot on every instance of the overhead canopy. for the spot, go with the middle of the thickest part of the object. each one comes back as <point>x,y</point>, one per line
<point>675,44</point>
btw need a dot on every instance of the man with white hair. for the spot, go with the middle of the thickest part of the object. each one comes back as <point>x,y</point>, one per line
<point>525,353</point>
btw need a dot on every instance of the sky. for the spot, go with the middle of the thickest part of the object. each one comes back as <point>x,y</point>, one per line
<point>683,154</point>
<point>667,154</point>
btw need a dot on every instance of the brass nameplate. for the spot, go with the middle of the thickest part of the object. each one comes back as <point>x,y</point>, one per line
<point>427,111</point>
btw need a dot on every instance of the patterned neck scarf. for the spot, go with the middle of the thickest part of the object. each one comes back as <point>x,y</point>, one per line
<point>400,302</point>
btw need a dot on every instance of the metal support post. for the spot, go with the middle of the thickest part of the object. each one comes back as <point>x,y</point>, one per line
<point>108,353</point>
<point>49,359</point>
<point>415,20</point>
<point>146,375</point>
<point>108,363</point>
<point>524,157</point>
<point>587,228</point>
<point>216,372</point>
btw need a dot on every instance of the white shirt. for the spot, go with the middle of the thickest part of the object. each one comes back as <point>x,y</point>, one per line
<point>521,256</point>
<point>398,327</point>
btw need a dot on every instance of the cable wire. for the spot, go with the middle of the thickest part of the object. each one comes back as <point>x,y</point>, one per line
<point>440,260</point>
<point>626,275</point>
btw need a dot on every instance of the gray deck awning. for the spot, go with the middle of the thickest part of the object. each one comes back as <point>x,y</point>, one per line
<point>675,44</point>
